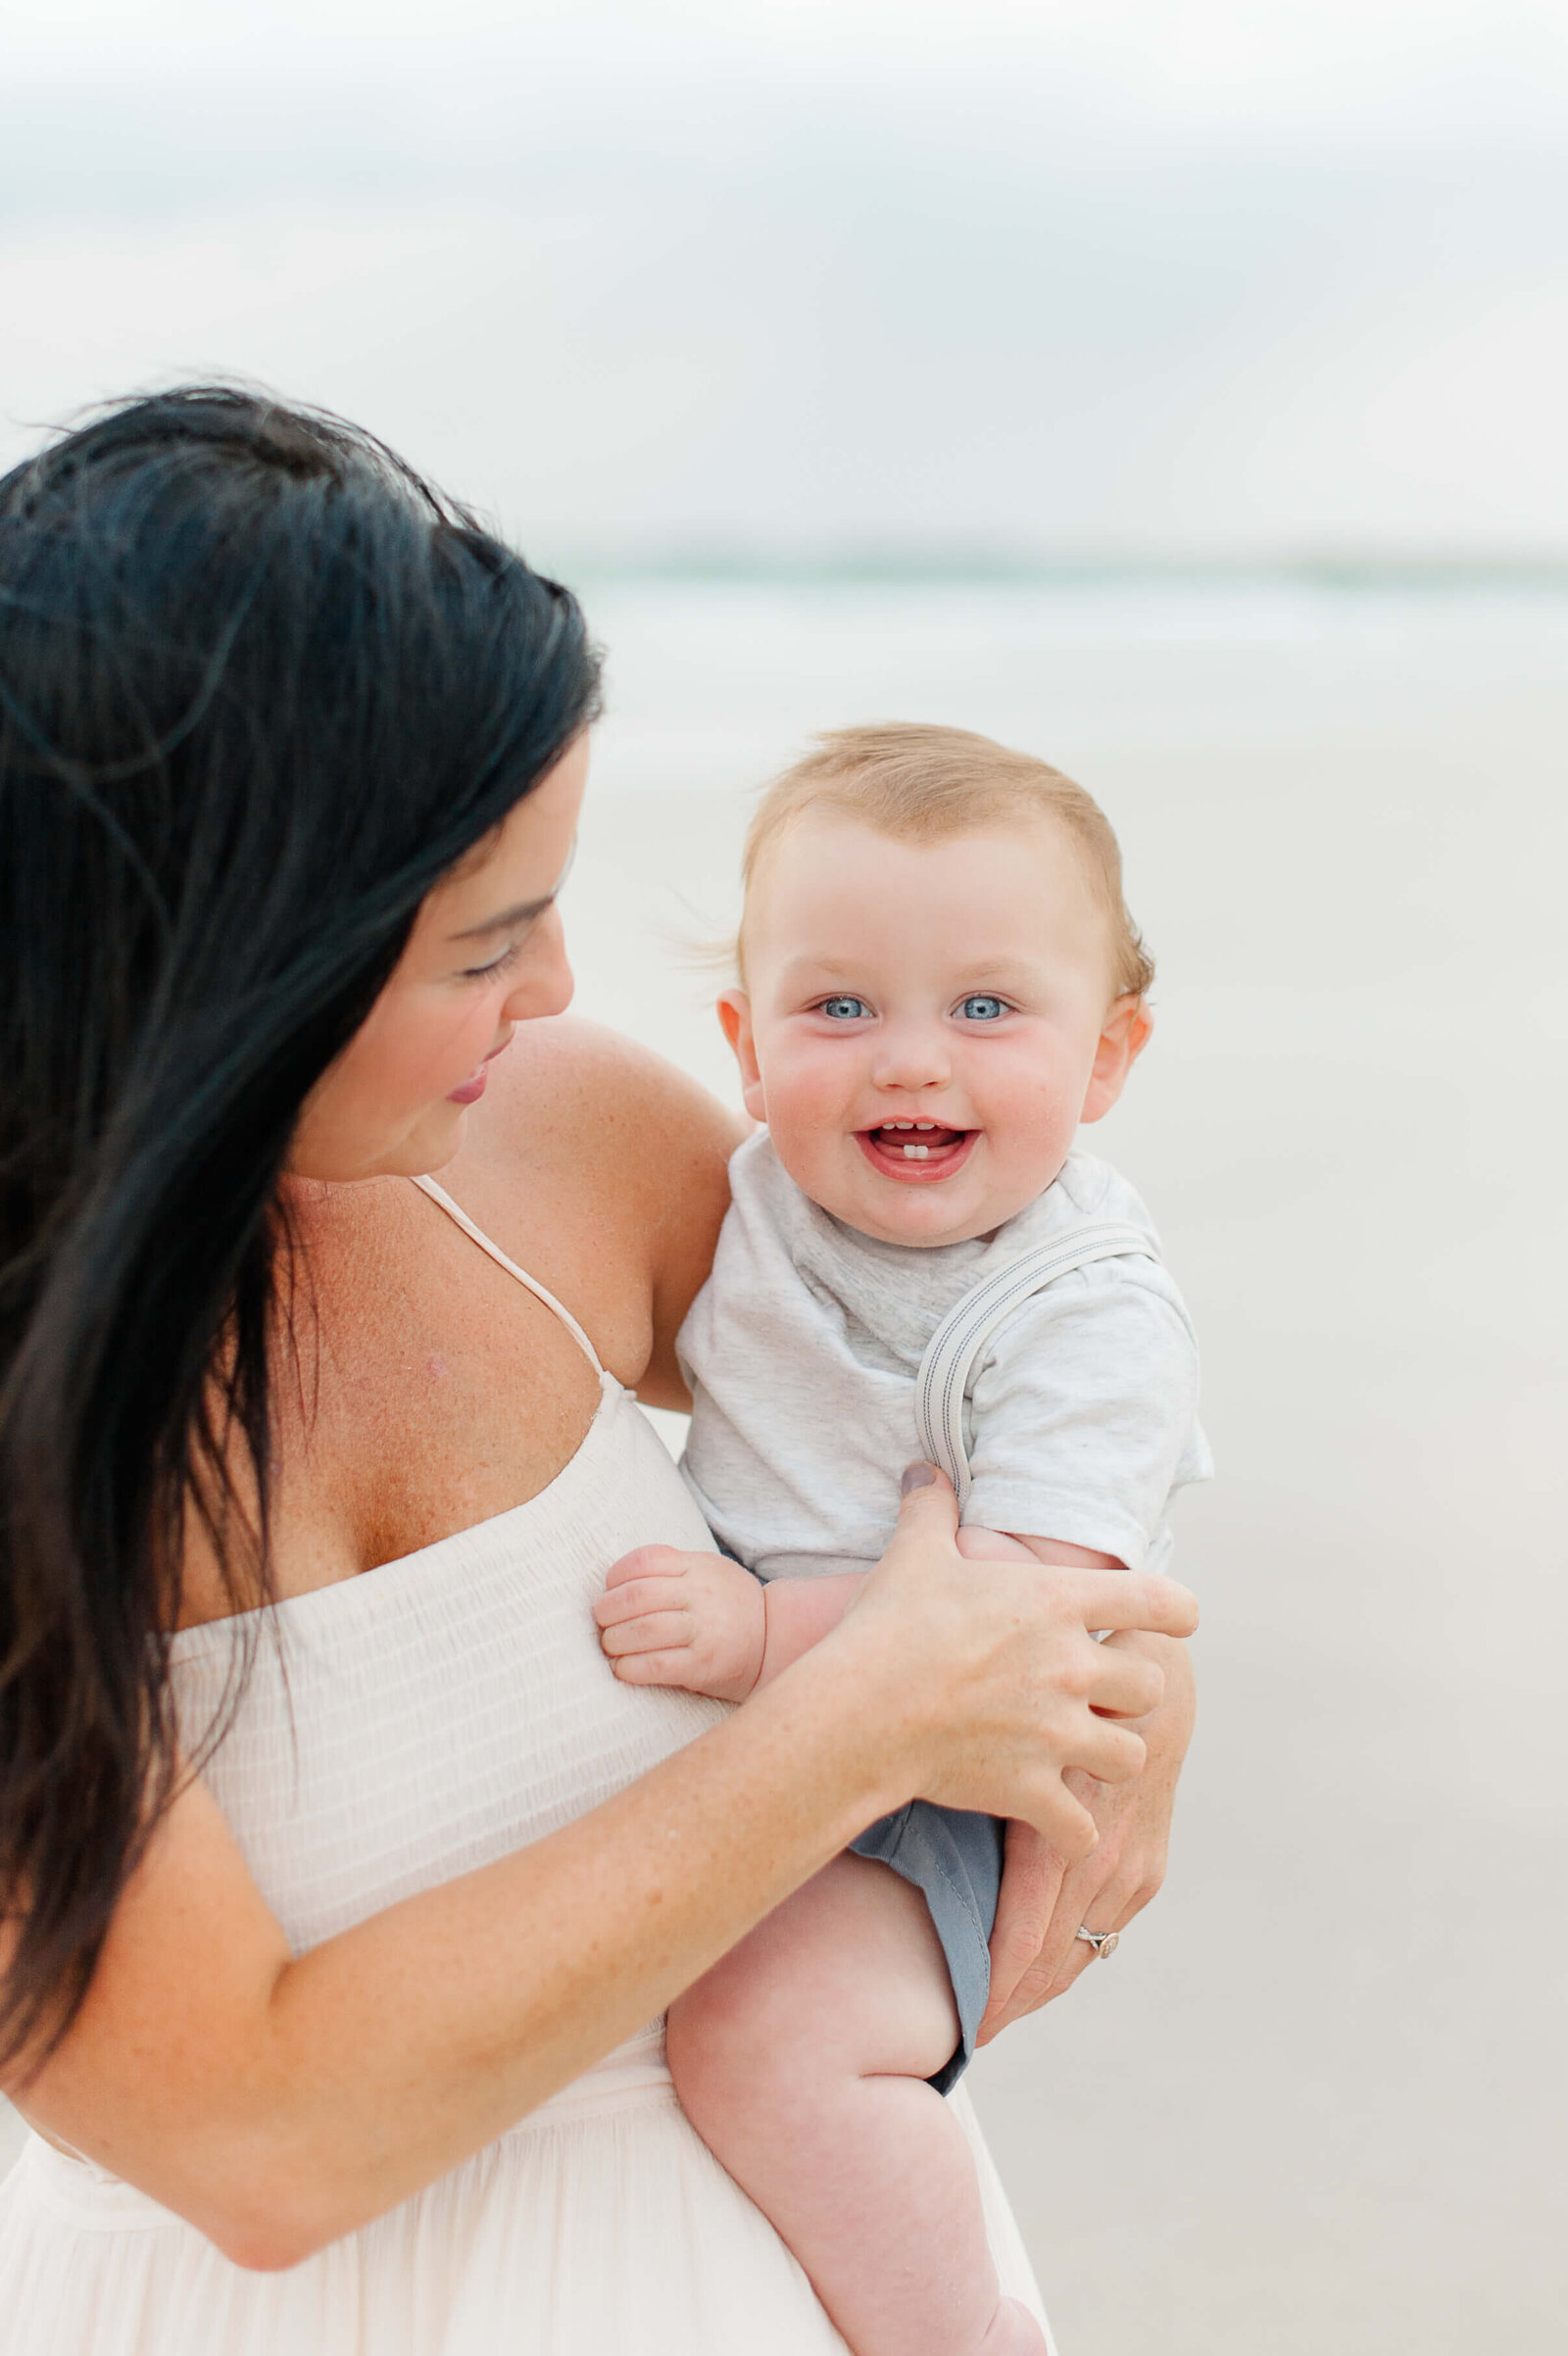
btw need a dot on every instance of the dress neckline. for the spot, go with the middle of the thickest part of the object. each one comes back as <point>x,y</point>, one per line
<point>462,1543</point>
<point>473,1540</point>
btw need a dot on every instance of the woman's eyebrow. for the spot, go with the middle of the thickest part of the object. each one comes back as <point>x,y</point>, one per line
<point>521,915</point>
<point>524,912</point>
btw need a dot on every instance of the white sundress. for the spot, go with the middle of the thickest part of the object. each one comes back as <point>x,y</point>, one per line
<point>429,1717</point>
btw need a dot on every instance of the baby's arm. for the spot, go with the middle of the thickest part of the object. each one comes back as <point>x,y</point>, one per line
<point>704,1623</point>
<point>995,1546</point>
<point>801,1612</point>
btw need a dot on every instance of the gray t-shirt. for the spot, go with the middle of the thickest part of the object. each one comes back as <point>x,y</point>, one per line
<point>801,1352</point>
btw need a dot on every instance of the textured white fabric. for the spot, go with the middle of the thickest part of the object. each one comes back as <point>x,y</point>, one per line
<point>803,1349</point>
<point>406,1725</point>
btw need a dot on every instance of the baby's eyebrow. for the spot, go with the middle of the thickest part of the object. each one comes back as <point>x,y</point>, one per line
<point>997,969</point>
<point>834,968</point>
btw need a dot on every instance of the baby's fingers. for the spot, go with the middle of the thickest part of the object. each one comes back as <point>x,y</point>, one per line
<point>649,1632</point>
<point>656,1669</point>
<point>631,1602</point>
<point>652,1562</point>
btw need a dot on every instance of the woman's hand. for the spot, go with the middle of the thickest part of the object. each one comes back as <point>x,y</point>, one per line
<point>1005,1690</point>
<point>1035,1951</point>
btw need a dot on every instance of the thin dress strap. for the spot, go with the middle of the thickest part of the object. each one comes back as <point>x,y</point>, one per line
<point>438,1194</point>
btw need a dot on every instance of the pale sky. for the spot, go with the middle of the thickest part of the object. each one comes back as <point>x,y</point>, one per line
<point>831,276</point>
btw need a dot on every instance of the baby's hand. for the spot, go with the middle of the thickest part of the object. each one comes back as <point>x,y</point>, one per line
<point>693,1620</point>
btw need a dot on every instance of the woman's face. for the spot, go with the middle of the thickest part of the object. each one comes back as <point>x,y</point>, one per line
<point>486,953</point>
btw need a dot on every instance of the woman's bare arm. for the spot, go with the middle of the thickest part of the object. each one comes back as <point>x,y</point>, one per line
<point>279,2102</point>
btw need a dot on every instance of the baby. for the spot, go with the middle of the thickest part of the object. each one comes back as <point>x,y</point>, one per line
<point>940,981</point>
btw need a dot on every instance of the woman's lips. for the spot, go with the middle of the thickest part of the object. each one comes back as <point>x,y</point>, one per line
<point>474,1089</point>
<point>936,1152</point>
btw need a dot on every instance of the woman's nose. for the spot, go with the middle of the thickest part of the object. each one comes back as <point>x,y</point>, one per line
<point>545,984</point>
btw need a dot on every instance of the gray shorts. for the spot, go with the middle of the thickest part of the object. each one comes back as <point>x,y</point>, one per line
<point>955,1860</point>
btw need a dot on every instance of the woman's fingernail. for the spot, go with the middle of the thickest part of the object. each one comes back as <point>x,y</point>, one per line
<point>916,1476</point>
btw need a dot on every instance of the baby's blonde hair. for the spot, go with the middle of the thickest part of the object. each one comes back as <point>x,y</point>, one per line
<point>921,784</point>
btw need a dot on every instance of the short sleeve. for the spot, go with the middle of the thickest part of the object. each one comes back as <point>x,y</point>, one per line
<point>1084,1415</point>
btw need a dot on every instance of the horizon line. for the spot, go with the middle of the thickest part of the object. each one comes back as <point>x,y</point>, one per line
<point>981,564</point>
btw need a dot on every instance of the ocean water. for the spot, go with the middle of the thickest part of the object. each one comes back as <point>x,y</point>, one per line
<point>1311,2103</point>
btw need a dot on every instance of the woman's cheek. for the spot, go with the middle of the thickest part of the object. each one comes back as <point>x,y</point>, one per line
<point>455,1044</point>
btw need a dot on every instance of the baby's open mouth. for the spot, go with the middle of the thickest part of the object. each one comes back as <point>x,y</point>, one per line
<point>915,1149</point>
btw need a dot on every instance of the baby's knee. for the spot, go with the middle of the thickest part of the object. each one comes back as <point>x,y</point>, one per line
<point>738,2013</point>
<point>735,2040</point>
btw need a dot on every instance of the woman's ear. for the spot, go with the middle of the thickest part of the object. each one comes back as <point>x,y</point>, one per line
<point>1122,1041</point>
<point>735,1020</point>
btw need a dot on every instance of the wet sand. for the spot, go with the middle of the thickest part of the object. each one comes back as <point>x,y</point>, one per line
<point>1313,2105</point>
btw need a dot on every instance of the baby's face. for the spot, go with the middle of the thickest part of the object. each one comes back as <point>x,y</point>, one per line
<point>925,1025</point>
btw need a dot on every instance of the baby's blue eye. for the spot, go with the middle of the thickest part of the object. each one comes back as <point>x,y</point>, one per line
<point>843,1010</point>
<point>982,1008</point>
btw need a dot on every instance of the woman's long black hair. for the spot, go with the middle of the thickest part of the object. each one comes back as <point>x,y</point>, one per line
<point>260,687</point>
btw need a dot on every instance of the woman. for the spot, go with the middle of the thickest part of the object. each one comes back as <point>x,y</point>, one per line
<point>341,1880</point>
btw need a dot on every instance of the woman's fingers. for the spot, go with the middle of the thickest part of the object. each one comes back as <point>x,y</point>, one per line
<point>1007,1679</point>
<point>1062,1820</point>
<point>1032,1876</point>
<point>927,1505</point>
<point>1111,1753</point>
<point>1132,1600</point>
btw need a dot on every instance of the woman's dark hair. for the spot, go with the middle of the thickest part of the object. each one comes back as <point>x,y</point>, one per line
<point>260,687</point>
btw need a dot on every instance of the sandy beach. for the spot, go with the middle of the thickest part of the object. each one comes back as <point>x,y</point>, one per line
<point>1312,2107</point>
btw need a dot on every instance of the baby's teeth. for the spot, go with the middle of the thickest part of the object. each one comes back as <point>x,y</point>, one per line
<point>918,1153</point>
<point>925,1124</point>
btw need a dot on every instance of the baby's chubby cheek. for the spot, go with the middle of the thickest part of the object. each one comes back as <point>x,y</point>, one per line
<point>1029,1137</point>
<point>813,1147</point>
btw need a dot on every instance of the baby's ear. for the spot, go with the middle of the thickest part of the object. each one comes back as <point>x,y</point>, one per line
<point>1122,1039</point>
<point>735,1020</point>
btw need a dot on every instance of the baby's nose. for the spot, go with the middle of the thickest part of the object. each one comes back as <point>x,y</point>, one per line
<point>912,1057</point>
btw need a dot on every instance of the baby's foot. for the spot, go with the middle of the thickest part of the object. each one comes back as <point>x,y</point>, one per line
<point>1013,2331</point>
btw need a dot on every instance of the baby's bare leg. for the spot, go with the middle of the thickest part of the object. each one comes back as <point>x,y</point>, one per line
<point>801,2060</point>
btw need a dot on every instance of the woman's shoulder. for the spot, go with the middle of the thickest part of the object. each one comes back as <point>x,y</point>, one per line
<point>569,1091</point>
<point>596,1159</point>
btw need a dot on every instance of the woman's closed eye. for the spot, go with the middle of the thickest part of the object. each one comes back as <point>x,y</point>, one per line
<point>500,965</point>
<point>983,1007</point>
